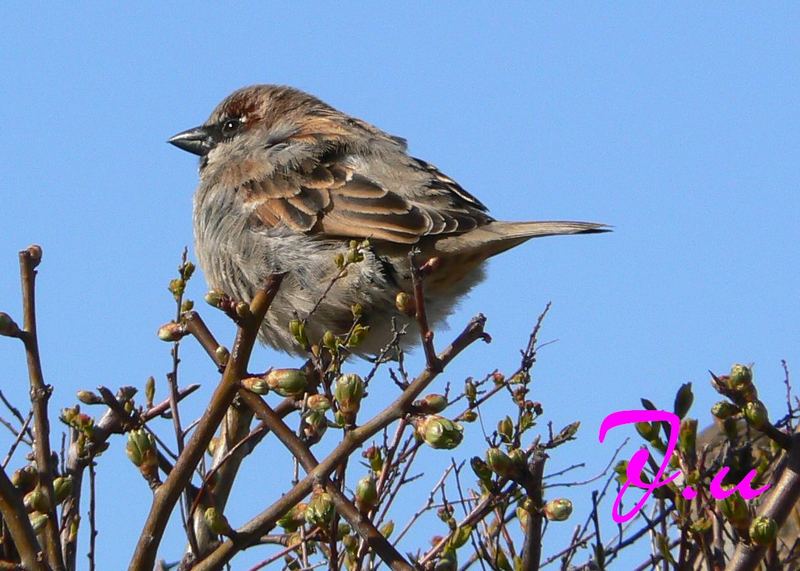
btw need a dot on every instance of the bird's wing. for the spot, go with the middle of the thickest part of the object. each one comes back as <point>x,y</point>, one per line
<point>332,198</point>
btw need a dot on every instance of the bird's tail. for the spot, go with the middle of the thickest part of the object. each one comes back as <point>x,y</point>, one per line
<point>526,230</point>
<point>496,237</point>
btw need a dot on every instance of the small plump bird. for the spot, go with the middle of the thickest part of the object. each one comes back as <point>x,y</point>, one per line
<point>287,183</point>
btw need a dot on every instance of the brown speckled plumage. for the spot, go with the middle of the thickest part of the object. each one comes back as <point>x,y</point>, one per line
<point>286,181</point>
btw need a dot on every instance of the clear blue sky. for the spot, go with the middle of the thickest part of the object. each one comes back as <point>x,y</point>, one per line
<point>681,127</point>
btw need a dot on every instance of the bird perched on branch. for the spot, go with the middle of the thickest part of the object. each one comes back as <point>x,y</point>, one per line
<point>290,184</point>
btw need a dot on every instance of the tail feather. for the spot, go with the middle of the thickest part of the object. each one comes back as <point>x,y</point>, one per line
<point>547,228</point>
<point>497,237</point>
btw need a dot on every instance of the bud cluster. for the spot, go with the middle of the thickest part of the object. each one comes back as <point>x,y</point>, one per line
<point>34,497</point>
<point>141,450</point>
<point>438,432</point>
<point>297,328</point>
<point>285,382</point>
<point>734,509</point>
<point>353,255</point>
<point>366,494</point>
<point>348,392</point>
<point>319,510</point>
<point>741,389</point>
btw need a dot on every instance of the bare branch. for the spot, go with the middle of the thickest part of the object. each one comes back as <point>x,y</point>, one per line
<point>92,516</point>
<point>40,395</point>
<point>261,524</point>
<point>17,414</point>
<point>345,507</point>
<point>17,440</point>
<point>425,332</point>
<point>197,328</point>
<point>532,483</point>
<point>77,460</point>
<point>777,506</point>
<point>16,519</point>
<point>165,497</point>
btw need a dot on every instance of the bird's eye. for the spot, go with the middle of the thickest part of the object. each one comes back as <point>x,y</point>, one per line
<point>230,127</point>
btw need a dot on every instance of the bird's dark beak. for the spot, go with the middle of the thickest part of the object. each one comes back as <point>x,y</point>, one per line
<point>198,141</point>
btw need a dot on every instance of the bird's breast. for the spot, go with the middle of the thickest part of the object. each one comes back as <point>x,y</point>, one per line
<point>221,241</point>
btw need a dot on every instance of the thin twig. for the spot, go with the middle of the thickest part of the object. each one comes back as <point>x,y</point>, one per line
<point>393,344</point>
<point>431,360</point>
<point>199,330</point>
<point>343,506</point>
<point>477,544</point>
<point>283,552</point>
<point>172,383</point>
<point>172,376</point>
<point>209,476</point>
<point>529,354</point>
<point>477,514</point>
<point>163,406</point>
<point>168,494</point>
<point>406,458</point>
<point>259,525</point>
<point>589,480</point>
<point>388,463</point>
<point>17,414</point>
<point>14,431</point>
<point>77,460</point>
<point>92,516</point>
<point>17,440</point>
<point>570,552</point>
<point>342,273</point>
<point>656,558</point>
<point>40,395</point>
<point>787,382</point>
<point>428,504</point>
<point>599,548</point>
<point>18,524</point>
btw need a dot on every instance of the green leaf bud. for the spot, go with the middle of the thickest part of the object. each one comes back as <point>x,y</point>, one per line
<point>287,382</point>
<point>558,510</point>
<point>439,432</point>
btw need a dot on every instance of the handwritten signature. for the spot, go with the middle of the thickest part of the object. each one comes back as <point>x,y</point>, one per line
<point>641,457</point>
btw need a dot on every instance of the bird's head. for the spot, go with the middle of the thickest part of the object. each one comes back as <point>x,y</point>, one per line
<point>261,129</point>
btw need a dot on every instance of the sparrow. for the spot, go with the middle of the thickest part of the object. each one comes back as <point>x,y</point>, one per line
<point>287,183</point>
